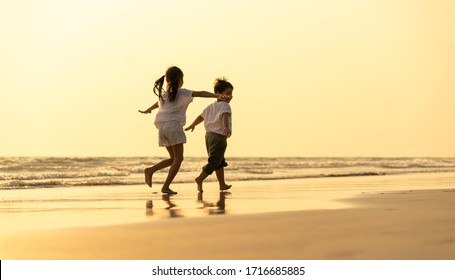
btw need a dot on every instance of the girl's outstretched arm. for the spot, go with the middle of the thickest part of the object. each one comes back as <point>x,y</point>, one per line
<point>197,121</point>
<point>149,110</point>
<point>207,94</point>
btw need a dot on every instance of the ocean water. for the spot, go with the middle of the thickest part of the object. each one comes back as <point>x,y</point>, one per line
<point>48,172</point>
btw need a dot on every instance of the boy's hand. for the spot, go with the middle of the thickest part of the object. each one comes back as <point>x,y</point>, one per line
<point>227,132</point>
<point>192,127</point>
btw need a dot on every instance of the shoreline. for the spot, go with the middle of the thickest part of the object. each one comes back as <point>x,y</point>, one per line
<point>395,217</point>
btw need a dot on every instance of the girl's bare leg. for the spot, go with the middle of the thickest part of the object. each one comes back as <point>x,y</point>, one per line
<point>177,152</point>
<point>160,165</point>
<point>220,177</point>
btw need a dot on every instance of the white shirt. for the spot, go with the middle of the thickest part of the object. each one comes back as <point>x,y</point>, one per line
<point>173,111</point>
<point>212,117</point>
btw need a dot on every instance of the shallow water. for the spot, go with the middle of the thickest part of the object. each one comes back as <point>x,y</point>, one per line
<point>52,172</point>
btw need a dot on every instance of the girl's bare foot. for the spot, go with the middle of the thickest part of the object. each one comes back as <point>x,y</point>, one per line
<point>199,184</point>
<point>148,176</point>
<point>225,187</point>
<point>168,191</point>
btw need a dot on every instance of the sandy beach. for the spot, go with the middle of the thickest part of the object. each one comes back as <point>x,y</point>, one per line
<point>379,217</point>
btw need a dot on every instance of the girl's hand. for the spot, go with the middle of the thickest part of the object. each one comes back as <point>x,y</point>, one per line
<point>224,97</point>
<point>192,127</point>
<point>148,111</point>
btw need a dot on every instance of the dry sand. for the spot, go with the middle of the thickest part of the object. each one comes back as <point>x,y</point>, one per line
<point>379,218</point>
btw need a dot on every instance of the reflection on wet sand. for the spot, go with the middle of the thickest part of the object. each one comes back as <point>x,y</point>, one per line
<point>172,210</point>
<point>149,207</point>
<point>171,207</point>
<point>214,208</point>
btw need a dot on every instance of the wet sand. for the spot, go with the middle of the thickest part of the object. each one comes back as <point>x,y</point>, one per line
<point>380,217</point>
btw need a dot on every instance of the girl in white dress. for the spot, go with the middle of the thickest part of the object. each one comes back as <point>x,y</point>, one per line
<point>170,119</point>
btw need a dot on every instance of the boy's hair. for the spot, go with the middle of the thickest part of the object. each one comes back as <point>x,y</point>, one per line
<point>221,84</point>
<point>173,76</point>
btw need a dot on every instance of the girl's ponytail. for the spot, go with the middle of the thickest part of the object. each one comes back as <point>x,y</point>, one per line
<point>158,88</point>
<point>173,77</point>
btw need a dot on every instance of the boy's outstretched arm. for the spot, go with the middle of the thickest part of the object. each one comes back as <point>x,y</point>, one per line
<point>225,118</point>
<point>197,121</point>
<point>149,110</point>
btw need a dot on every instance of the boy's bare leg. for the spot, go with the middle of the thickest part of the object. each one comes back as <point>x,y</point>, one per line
<point>220,177</point>
<point>200,179</point>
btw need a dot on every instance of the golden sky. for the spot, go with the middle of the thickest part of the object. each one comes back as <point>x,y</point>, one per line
<point>311,78</point>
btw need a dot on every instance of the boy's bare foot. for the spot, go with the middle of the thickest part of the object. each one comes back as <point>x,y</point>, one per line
<point>168,191</point>
<point>199,184</point>
<point>225,187</point>
<point>148,176</point>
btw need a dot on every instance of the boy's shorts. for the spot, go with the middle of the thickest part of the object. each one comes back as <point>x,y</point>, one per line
<point>171,133</point>
<point>216,145</point>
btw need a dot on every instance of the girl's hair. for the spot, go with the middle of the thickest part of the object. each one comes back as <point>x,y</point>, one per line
<point>173,76</point>
<point>221,84</point>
